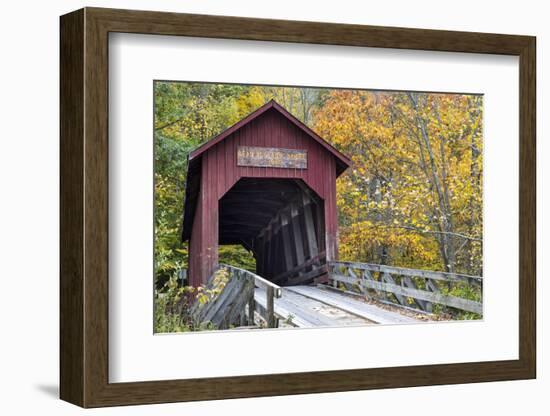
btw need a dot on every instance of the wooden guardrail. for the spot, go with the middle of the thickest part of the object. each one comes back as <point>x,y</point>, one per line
<point>404,286</point>
<point>229,299</point>
<point>272,291</point>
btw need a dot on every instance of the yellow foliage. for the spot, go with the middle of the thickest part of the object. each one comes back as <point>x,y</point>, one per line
<point>413,196</point>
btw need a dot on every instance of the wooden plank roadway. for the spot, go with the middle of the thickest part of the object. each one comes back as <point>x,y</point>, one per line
<point>353,306</point>
<point>311,306</point>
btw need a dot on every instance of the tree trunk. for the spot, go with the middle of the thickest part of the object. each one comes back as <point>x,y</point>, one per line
<point>443,209</point>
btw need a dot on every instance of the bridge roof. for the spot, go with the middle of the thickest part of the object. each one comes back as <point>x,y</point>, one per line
<point>342,162</point>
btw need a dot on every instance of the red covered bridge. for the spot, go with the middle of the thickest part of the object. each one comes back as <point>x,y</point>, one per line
<point>269,184</point>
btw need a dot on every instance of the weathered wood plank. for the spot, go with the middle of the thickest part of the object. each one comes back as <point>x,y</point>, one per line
<point>408,282</point>
<point>297,231</point>
<point>281,311</point>
<point>270,316</point>
<point>219,305</point>
<point>300,311</point>
<point>299,268</point>
<point>308,276</point>
<point>384,302</point>
<point>205,312</point>
<point>271,157</point>
<point>431,286</point>
<point>353,306</point>
<point>287,244</point>
<point>353,276</point>
<point>264,284</point>
<point>312,310</point>
<point>427,274</point>
<point>366,274</point>
<point>309,226</point>
<point>237,307</point>
<point>253,280</point>
<point>386,277</point>
<point>268,271</point>
<point>230,306</point>
<point>260,307</point>
<point>251,309</point>
<point>455,302</point>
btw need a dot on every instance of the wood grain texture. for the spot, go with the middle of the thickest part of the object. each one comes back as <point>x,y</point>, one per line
<point>71,214</point>
<point>527,208</point>
<point>222,175</point>
<point>271,157</point>
<point>84,207</point>
<point>388,287</point>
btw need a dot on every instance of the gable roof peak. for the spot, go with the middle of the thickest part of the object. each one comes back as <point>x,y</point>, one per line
<point>343,162</point>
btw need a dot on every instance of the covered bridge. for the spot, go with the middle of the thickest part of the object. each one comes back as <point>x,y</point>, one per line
<point>269,184</point>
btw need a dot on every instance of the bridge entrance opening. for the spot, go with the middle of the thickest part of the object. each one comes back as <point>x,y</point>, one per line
<point>282,222</point>
<point>268,183</point>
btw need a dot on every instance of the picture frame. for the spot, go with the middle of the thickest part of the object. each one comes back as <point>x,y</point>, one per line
<point>84,170</point>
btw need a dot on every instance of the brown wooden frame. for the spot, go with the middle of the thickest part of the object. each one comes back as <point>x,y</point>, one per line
<point>84,207</point>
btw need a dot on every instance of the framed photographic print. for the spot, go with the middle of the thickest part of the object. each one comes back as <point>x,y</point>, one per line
<point>256,207</point>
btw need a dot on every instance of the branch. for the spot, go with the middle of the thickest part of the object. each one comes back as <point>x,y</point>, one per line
<point>421,231</point>
<point>170,124</point>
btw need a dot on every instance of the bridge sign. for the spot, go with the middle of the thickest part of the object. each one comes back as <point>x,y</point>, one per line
<point>271,157</point>
<point>267,183</point>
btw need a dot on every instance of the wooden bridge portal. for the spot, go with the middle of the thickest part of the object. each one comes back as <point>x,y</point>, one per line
<point>269,184</point>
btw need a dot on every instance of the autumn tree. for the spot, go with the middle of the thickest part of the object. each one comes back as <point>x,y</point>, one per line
<point>412,198</point>
<point>186,115</point>
<point>413,195</point>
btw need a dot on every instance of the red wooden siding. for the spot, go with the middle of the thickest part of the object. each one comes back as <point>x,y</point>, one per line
<point>219,172</point>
